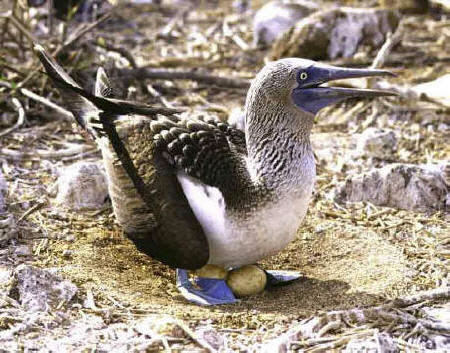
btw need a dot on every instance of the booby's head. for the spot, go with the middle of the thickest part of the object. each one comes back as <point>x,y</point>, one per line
<point>294,82</point>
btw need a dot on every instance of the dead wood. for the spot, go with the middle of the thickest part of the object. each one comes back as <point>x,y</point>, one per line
<point>164,74</point>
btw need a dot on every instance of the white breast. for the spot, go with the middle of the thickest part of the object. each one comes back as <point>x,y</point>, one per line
<point>234,240</point>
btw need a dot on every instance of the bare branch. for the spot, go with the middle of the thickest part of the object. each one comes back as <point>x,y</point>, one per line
<point>20,119</point>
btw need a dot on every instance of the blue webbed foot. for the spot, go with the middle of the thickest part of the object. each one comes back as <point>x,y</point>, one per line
<point>279,278</point>
<point>210,291</point>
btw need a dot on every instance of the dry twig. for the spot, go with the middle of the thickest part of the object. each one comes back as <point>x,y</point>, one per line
<point>20,119</point>
<point>164,74</point>
<point>26,92</point>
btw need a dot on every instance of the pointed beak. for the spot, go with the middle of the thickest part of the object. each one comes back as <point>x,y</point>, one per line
<point>309,96</point>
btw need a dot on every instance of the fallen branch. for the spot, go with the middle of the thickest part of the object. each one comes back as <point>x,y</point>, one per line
<point>11,17</point>
<point>20,119</point>
<point>391,41</point>
<point>81,31</point>
<point>315,327</point>
<point>164,74</point>
<point>42,154</point>
<point>122,51</point>
<point>27,93</point>
<point>32,209</point>
<point>77,34</point>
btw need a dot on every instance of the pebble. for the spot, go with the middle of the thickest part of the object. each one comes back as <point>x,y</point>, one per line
<point>378,143</point>
<point>81,186</point>
<point>22,250</point>
<point>67,253</point>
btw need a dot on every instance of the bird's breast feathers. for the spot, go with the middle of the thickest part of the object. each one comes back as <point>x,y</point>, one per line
<point>236,239</point>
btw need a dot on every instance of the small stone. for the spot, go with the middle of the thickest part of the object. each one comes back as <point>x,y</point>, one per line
<point>211,336</point>
<point>82,185</point>
<point>241,6</point>
<point>22,250</point>
<point>276,17</point>
<point>378,143</point>
<point>164,326</point>
<point>67,253</point>
<point>247,280</point>
<point>70,238</point>
<point>39,289</point>
<point>404,186</point>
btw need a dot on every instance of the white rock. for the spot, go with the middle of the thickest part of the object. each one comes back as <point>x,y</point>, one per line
<point>82,185</point>
<point>274,18</point>
<point>5,274</point>
<point>380,342</point>
<point>39,289</point>
<point>405,186</point>
<point>237,119</point>
<point>378,143</point>
<point>437,89</point>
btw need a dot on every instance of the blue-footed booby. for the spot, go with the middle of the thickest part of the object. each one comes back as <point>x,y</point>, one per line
<point>191,192</point>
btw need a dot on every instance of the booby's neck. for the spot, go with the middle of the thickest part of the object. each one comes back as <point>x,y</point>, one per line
<point>279,156</point>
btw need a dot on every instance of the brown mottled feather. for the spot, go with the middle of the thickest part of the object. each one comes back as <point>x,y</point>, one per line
<point>164,226</point>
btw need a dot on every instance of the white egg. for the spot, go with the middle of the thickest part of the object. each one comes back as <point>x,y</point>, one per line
<point>247,280</point>
<point>212,271</point>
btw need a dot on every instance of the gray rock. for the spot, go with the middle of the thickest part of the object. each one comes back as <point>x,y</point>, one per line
<point>405,186</point>
<point>22,250</point>
<point>378,143</point>
<point>39,289</point>
<point>276,17</point>
<point>380,342</point>
<point>241,6</point>
<point>335,33</point>
<point>82,185</point>
<point>211,336</point>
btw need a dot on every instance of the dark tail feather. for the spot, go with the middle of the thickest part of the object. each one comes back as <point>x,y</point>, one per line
<point>82,108</point>
<point>85,105</point>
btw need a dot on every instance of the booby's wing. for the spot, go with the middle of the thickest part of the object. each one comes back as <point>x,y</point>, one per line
<point>178,239</point>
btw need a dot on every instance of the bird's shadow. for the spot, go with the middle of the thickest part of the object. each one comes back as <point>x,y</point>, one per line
<point>305,297</point>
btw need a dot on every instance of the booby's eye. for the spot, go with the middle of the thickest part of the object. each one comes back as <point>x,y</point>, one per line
<point>303,75</point>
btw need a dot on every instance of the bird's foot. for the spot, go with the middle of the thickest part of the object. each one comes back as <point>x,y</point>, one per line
<point>210,291</point>
<point>280,278</point>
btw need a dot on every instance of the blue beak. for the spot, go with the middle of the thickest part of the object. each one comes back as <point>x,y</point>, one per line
<point>310,97</point>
